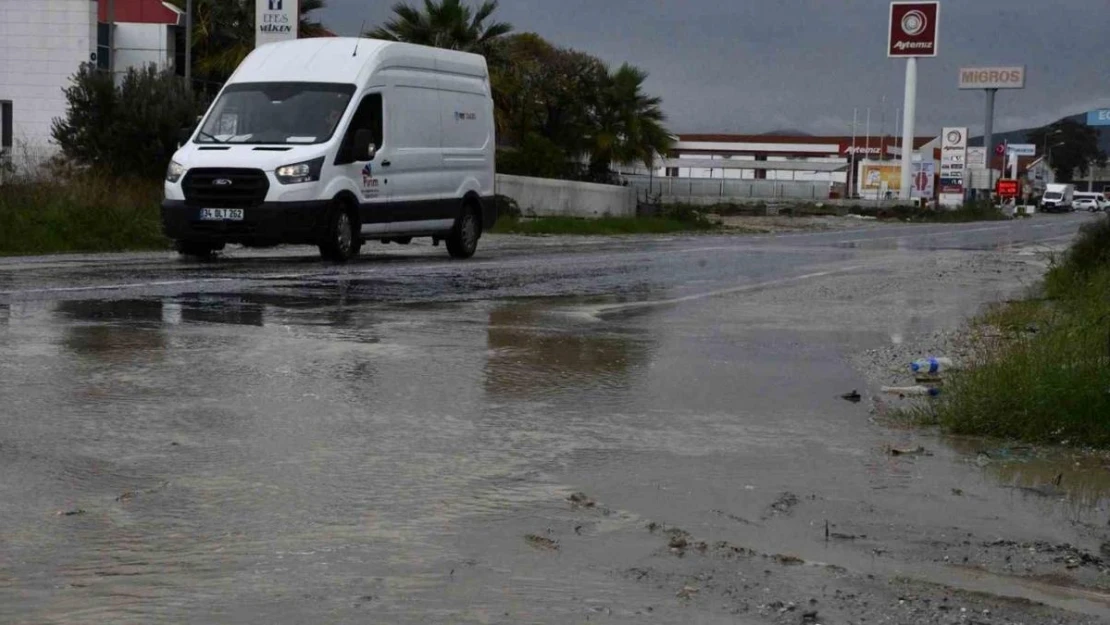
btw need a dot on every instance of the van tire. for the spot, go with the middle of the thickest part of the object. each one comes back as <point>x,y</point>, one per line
<point>463,240</point>
<point>193,249</point>
<point>342,240</point>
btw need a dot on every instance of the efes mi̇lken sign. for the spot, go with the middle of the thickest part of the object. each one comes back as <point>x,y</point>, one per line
<point>275,20</point>
<point>913,29</point>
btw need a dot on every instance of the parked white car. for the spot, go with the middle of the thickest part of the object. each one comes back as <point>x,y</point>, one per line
<point>1093,202</point>
<point>337,141</point>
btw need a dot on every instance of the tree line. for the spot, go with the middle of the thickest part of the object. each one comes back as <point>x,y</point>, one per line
<point>560,113</point>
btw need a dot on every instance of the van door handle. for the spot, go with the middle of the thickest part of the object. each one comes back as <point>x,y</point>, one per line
<point>386,163</point>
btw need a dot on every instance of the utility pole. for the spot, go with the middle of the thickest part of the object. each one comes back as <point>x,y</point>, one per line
<point>112,38</point>
<point>988,140</point>
<point>189,45</point>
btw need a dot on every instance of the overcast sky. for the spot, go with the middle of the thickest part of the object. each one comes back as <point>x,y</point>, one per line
<point>761,65</point>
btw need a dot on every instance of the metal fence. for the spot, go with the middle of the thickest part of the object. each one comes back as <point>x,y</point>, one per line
<point>726,189</point>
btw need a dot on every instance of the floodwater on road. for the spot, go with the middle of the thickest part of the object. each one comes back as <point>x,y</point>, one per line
<point>268,439</point>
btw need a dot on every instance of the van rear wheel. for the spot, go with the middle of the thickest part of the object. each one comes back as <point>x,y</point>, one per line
<point>341,240</point>
<point>463,240</point>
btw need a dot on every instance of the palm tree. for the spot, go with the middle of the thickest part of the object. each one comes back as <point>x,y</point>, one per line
<point>445,24</point>
<point>223,33</point>
<point>628,124</point>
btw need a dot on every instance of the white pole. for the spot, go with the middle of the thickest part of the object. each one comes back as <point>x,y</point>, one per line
<point>908,121</point>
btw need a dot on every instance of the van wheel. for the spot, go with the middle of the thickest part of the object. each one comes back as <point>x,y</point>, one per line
<point>194,249</point>
<point>341,241</point>
<point>463,240</point>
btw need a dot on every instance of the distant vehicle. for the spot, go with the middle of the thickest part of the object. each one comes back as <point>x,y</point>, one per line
<point>1092,202</point>
<point>1058,198</point>
<point>336,141</point>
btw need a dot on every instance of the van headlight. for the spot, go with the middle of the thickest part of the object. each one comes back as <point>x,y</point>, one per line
<point>175,171</point>
<point>298,173</point>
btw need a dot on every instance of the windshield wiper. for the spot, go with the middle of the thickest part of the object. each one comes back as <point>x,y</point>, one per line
<point>214,138</point>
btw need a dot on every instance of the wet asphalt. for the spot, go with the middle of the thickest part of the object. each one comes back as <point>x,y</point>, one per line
<point>266,438</point>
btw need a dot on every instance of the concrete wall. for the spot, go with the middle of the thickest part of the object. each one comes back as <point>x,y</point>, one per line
<point>42,42</point>
<point>541,197</point>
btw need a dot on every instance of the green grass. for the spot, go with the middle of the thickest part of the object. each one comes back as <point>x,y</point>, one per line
<point>971,212</point>
<point>1042,373</point>
<point>82,214</point>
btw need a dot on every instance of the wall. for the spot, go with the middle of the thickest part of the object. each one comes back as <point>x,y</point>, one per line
<point>549,198</point>
<point>42,42</point>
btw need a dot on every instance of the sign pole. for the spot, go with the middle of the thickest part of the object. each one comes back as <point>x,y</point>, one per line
<point>189,45</point>
<point>988,137</point>
<point>909,111</point>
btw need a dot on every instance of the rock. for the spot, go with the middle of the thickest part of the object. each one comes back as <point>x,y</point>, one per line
<point>542,542</point>
<point>580,500</point>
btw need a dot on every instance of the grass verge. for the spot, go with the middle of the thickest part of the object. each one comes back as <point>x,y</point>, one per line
<point>85,213</point>
<point>1042,373</point>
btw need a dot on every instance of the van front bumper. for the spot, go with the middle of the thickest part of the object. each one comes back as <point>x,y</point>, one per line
<point>270,223</point>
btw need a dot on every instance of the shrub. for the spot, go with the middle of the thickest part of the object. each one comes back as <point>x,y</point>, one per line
<point>126,130</point>
<point>1090,254</point>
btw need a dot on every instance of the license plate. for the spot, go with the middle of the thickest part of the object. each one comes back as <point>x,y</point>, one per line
<point>221,214</point>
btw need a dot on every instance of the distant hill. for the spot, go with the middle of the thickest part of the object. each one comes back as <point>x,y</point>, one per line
<point>1019,136</point>
<point>786,133</point>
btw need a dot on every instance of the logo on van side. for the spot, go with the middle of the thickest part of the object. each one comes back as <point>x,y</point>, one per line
<point>369,182</point>
<point>460,115</point>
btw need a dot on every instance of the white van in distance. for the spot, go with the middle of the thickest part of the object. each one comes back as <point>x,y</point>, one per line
<point>337,141</point>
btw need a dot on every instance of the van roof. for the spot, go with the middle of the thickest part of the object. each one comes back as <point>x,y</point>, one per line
<point>345,60</point>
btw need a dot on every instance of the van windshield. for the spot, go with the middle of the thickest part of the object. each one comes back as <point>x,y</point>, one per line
<point>1053,196</point>
<point>276,113</point>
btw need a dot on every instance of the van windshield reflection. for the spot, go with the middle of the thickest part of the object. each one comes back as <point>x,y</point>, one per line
<point>276,113</point>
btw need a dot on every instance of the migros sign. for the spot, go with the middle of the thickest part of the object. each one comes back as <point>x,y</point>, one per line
<point>992,78</point>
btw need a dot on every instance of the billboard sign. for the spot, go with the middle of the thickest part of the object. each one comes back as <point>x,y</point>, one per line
<point>877,178</point>
<point>953,165</point>
<point>1021,149</point>
<point>977,158</point>
<point>992,77</point>
<point>1009,188</point>
<point>1100,117</point>
<point>913,29</point>
<point>275,20</point>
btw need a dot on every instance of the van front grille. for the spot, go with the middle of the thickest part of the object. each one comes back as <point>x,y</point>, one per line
<point>225,188</point>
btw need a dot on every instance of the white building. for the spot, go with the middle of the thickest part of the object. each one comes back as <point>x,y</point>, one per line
<point>43,43</point>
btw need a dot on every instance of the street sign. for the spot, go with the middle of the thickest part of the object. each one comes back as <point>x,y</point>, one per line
<point>1022,149</point>
<point>913,29</point>
<point>1099,117</point>
<point>992,77</point>
<point>1009,188</point>
<point>1000,149</point>
<point>275,20</point>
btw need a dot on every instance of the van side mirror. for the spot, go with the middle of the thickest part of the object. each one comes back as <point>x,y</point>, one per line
<point>364,147</point>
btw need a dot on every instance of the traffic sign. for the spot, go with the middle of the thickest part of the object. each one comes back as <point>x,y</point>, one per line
<point>1008,188</point>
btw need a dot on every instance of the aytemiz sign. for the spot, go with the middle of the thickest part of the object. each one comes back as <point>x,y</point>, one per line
<point>275,20</point>
<point>992,77</point>
<point>913,29</point>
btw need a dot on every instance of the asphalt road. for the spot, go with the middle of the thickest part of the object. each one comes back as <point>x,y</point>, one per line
<point>269,439</point>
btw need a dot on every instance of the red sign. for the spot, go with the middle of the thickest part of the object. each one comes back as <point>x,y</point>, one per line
<point>1000,149</point>
<point>913,29</point>
<point>1009,188</point>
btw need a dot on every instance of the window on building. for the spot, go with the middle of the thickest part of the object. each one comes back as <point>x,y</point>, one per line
<point>103,53</point>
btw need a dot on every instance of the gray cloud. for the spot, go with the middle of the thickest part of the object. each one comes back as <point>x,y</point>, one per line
<point>760,65</point>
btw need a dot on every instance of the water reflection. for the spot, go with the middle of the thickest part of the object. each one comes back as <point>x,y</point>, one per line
<point>1084,478</point>
<point>5,314</point>
<point>531,354</point>
<point>113,331</point>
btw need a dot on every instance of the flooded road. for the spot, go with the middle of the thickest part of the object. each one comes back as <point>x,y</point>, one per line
<point>560,431</point>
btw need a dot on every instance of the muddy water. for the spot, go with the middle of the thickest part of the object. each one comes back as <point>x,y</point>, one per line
<point>351,450</point>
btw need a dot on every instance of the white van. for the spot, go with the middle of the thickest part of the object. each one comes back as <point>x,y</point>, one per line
<point>1057,198</point>
<point>335,142</point>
